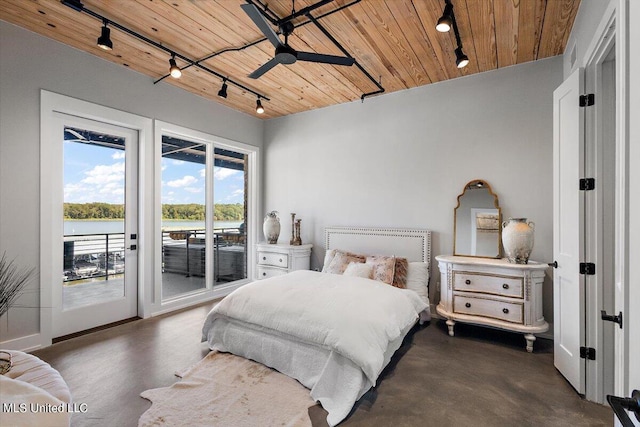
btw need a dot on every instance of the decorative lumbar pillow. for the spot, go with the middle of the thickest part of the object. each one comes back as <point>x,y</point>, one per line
<point>400,273</point>
<point>359,269</point>
<point>383,267</point>
<point>328,257</point>
<point>341,260</point>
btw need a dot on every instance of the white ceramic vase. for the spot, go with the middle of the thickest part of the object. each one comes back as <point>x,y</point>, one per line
<point>517,239</point>
<point>271,227</point>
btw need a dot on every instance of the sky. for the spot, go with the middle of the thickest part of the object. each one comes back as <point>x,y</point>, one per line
<point>96,174</point>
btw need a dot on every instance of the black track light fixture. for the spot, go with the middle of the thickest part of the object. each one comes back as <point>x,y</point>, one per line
<point>445,23</point>
<point>222,93</point>
<point>174,70</point>
<point>259,107</point>
<point>462,60</point>
<point>446,20</point>
<point>104,41</point>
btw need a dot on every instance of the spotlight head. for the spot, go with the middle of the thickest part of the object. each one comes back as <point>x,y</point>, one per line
<point>462,60</point>
<point>446,20</point>
<point>259,107</point>
<point>173,69</point>
<point>222,93</point>
<point>104,41</point>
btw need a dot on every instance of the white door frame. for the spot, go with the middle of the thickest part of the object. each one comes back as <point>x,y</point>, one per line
<point>598,222</point>
<point>50,104</point>
<point>614,22</point>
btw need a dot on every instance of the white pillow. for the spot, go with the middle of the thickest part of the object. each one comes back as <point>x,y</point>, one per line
<point>328,257</point>
<point>418,279</point>
<point>359,269</point>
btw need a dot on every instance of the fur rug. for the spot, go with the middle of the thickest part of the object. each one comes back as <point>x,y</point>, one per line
<point>227,390</point>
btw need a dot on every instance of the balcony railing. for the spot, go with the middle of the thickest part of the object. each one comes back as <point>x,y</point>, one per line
<point>93,255</point>
<point>183,251</point>
<point>102,255</point>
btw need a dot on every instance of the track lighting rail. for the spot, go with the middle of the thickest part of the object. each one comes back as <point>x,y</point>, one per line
<point>255,42</point>
<point>77,5</point>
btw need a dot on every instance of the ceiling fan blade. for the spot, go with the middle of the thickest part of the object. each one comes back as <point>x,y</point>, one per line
<point>325,59</point>
<point>261,23</point>
<point>264,68</point>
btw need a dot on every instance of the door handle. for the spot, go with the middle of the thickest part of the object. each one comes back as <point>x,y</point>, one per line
<point>619,404</point>
<point>553,264</point>
<point>611,317</point>
<point>133,247</point>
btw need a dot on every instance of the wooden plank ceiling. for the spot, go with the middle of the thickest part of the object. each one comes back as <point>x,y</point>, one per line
<point>395,41</point>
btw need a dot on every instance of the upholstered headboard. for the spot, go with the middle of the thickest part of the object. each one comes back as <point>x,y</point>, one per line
<point>415,245</point>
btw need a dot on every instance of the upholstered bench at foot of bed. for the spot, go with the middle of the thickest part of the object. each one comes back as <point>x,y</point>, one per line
<point>32,393</point>
<point>32,370</point>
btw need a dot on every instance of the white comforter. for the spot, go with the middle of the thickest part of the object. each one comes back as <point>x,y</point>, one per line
<point>357,318</point>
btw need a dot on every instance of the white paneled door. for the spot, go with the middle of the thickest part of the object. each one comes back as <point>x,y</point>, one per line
<point>568,233</point>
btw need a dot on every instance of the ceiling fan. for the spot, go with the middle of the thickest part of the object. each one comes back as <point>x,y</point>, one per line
<point>285,54</point>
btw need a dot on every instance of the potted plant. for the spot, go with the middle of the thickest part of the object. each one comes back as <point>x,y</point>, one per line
<point>12,282</point>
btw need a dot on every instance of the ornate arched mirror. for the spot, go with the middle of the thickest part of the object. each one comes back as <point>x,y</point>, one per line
<point>476,222</point>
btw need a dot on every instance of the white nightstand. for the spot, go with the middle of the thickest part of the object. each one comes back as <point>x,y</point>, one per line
<point>492,292</point>
<point>274,260</point>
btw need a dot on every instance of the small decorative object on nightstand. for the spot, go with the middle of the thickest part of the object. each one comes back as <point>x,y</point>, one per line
<point>492,292</point>
<point>271,227</point>
<point>275,260</point>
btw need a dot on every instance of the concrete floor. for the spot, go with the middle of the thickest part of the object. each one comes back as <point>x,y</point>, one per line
<point>93,291</point>
<point>480,377</point>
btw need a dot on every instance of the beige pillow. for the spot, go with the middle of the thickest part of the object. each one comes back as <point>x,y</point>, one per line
<point>341,260</point>
<point>359,269</point>
<point>383,267</point>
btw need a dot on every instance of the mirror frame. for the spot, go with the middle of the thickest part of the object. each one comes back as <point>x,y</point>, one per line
<point>470,185</point>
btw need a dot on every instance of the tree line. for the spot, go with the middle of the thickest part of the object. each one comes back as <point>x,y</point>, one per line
<point>190,211</point>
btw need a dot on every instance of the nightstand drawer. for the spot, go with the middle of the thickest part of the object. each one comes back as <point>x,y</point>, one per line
<point>489,284</point>
<point>507,311</point>
<point>273,258</point>
<point>266,272</point>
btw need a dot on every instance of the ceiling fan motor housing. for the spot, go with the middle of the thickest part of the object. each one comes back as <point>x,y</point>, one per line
<point>286,54</point>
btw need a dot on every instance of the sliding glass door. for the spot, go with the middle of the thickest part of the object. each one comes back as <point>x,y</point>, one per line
<point>203,214</point>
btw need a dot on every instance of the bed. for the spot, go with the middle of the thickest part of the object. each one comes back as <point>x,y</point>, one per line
<point>334,333</point>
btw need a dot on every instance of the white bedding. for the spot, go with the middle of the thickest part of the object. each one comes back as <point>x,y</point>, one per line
<point>351,319</point>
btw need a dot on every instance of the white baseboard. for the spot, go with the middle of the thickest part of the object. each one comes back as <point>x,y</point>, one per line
<point>27,344</point>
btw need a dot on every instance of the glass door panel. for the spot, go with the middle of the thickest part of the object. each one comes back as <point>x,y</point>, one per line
<point>94,223</point>
<point>230,215</point>
<point>184,216</point>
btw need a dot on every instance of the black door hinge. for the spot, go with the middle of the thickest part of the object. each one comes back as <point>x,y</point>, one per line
<point>588,268</point>
<point>587,184</point>
<point>588,353</point>
<point>587,100</point>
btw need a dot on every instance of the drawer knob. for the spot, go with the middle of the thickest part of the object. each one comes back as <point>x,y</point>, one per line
<point>505,310</point>
<point>468,282</point>
<point>264,258</point>
<point>505,286</point>
<point>468,305</point>
<point>280,260</point>
<point>264,274</point>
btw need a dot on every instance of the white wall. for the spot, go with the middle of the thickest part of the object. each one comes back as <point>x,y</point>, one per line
<point>401,159</point>
<point>28,63</point>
